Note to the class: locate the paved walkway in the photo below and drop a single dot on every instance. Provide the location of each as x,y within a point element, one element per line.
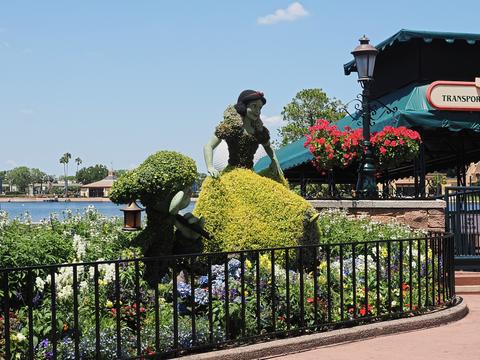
<point>458,340</point>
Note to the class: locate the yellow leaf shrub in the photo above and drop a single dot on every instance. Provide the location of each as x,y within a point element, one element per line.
<point>246,211</point>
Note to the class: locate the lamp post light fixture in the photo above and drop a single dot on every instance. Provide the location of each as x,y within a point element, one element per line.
<point>132,218</point>
<point>365,55</point>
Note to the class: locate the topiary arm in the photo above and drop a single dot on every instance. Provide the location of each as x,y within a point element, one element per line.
<point>274,165</point>
<point>208,155</point>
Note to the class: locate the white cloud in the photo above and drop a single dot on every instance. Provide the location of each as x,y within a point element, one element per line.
<point>272,120</point>
<point>293,12</point>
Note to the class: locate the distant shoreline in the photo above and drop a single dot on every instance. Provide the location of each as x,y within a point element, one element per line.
<point>45,199</point>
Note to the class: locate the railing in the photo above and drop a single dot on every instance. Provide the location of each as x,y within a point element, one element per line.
<point>462,218</point>
<point>311,189</point>
<point>204,301</point>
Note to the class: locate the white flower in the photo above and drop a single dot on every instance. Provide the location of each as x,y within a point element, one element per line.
<point>21,337</point>
<point>39,283</point>
<point>108,272</point>
<point>80,246</point>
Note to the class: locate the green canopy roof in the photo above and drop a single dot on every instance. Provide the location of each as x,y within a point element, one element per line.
<point>289,156</point>
<point>414,111</point>
<point>427,36</point>
<point>411,109</point>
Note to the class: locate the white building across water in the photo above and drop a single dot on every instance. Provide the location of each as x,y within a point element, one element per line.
<point>99,188</point>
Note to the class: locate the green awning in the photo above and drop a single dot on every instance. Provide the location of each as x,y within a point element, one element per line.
<point>427,36</point>
<point>289,156</point>
<point>412,110</point>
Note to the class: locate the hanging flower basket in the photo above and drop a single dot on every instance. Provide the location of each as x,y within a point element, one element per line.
<point>394,146</point>
<point>331,147</point>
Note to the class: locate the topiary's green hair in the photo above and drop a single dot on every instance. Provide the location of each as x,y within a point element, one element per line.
<point>160,176</point>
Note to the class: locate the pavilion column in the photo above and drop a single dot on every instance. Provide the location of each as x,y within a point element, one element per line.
<point>422,177</point>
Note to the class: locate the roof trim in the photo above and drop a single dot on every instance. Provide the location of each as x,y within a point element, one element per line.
<point>405,35</point>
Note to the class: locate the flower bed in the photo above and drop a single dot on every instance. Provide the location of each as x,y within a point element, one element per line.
<point>209,299</point>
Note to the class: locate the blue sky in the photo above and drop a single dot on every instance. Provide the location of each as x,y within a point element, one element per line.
<point>114,81</point>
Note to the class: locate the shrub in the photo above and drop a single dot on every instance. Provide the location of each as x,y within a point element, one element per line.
<point>85,236</point>
<point>157,179</point>
<point>23,245</point>
<point>241,214</point>
<point>336,227</point>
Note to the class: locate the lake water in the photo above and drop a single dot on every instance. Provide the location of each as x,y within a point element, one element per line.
<point>42,210</point>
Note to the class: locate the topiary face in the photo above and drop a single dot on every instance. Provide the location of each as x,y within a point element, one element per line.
<point>157,179</point>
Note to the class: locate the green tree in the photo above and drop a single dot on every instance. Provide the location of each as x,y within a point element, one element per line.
<point>37,177</point>
<point>306,107</point>
<point>92,174</point>
<point>78,161</point>
<point>120,172</point>
<point>64,160</point>
<point>20,177</point>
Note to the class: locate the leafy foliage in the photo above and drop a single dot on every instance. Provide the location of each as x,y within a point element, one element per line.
<point>161,175</point>
<point>20,176</point>
<point>306,107</point>
<point>91,174</point>
<point>242,215</point>
<point>55,241</point>
<point>89,237</point>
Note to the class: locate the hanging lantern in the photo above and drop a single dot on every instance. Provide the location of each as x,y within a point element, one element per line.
<point>132,218</point>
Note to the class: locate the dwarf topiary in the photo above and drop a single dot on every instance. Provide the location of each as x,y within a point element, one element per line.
<point>163,185</point>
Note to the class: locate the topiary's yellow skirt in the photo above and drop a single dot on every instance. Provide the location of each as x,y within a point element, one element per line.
<point>244,210</point>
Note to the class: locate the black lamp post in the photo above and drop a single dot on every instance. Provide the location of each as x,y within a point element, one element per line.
<point>365,55</point>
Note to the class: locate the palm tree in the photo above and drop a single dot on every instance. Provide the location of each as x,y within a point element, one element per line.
<point>64,160</point>
<point>78,161</point>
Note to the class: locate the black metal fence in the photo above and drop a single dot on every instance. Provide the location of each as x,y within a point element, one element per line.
<point>204,301</point>
<point>462,218</point>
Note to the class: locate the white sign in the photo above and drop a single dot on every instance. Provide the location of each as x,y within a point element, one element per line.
<point>454,95</point>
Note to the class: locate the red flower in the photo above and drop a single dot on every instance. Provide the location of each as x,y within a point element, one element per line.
<point>310,300</point>
<point>365,310</point>
<point>383,150</point>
